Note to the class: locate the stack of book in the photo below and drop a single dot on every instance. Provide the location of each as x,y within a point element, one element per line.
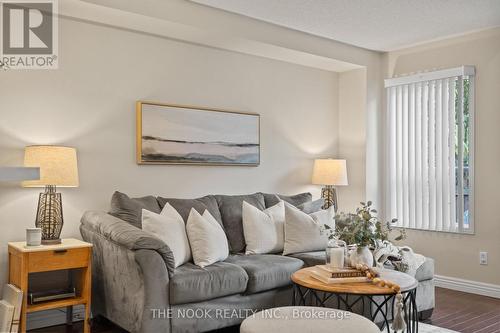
<point>10,309</point>
<point>329,275</point>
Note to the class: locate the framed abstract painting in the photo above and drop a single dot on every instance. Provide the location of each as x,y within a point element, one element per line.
<point>178,134</point>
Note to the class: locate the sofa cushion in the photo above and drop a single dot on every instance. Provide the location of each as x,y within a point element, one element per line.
<point>130,209</point>
<point>231,210</point>
<point>191,283</point>
<point>296,200</point>
<point>426,271</point>
<point>311,258</point>
<point>266,271</point>
<point>183,206</point>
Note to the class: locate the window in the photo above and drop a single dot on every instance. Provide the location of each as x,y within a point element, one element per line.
<point>430,155</point>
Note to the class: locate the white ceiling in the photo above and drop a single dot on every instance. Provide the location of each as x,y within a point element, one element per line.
<point>382,25</point>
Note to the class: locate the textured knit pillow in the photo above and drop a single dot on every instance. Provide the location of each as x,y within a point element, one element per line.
<point>170,228</point>
<point>303,231</point>
<point>263,230</point>
<point>207,239</point>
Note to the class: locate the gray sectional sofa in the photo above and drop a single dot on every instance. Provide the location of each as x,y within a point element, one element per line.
<point>136,286</point>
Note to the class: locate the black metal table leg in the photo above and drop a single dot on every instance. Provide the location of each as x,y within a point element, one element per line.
<point>410,311</point>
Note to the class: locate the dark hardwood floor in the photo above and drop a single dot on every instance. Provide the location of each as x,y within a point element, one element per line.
<point>454,310</point>
<point>466,313</point>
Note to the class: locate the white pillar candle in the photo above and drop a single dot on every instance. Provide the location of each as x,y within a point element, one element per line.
<point>337,257</point>
<point>33,237</point>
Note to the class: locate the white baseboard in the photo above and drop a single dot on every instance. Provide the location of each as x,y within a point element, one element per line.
<point>53,317</point>
<point>467,286</point>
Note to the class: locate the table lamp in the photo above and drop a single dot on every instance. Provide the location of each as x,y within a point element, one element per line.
<point>58,167</point>
<point>330,173</point>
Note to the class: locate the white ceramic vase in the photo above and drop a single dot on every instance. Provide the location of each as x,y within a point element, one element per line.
<point>361,255</point>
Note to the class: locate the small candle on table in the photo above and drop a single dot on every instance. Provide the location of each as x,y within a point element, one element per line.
<point>337,257</point>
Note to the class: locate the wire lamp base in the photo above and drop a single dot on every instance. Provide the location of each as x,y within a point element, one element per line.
<point>330,195</point>
<point>49,216</point>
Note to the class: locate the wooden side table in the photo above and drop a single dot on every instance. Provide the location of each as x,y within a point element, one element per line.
<point>70,254</point>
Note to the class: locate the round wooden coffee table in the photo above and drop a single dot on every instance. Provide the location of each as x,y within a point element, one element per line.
<point>380,300</point>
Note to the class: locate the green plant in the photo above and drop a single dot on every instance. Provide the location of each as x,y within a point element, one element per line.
<point>362,228</point>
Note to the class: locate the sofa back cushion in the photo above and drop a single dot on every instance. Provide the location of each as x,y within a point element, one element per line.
<point>231,210</point>
<point>295,200</point>
<point>130,209</point>
<point>183,206</point>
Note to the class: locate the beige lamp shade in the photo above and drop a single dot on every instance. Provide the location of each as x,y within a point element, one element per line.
<point>329,172</point>
<point>58,165</point>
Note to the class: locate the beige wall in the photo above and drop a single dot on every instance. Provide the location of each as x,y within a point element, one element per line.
<point>352,136</point>
<point>89,104</point>
<point>185,20</point>
<point>458,255</point>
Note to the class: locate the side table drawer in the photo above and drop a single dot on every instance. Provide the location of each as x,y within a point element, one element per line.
<point>52,260</point>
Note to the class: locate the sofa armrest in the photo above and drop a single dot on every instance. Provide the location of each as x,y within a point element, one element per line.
<point>128,236</point>
<point>130,280</point>
<point>156,293</point>
<point>426,271</point>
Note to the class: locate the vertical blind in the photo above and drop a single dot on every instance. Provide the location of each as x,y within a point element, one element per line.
<point>429,155</point>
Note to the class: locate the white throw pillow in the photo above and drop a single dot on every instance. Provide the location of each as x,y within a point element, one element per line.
<point>207,239</point>
<point>263,230</point>
<point>303,231</point>
<point>170,228</point>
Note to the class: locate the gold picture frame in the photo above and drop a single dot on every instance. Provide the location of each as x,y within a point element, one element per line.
<point>191,135</point>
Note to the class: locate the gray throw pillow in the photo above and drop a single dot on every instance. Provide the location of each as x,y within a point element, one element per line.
<point>295,200</point>
<point>183,206</point>
<point>231,210</point>
<point>130,209</point>
<point>312,207</point>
